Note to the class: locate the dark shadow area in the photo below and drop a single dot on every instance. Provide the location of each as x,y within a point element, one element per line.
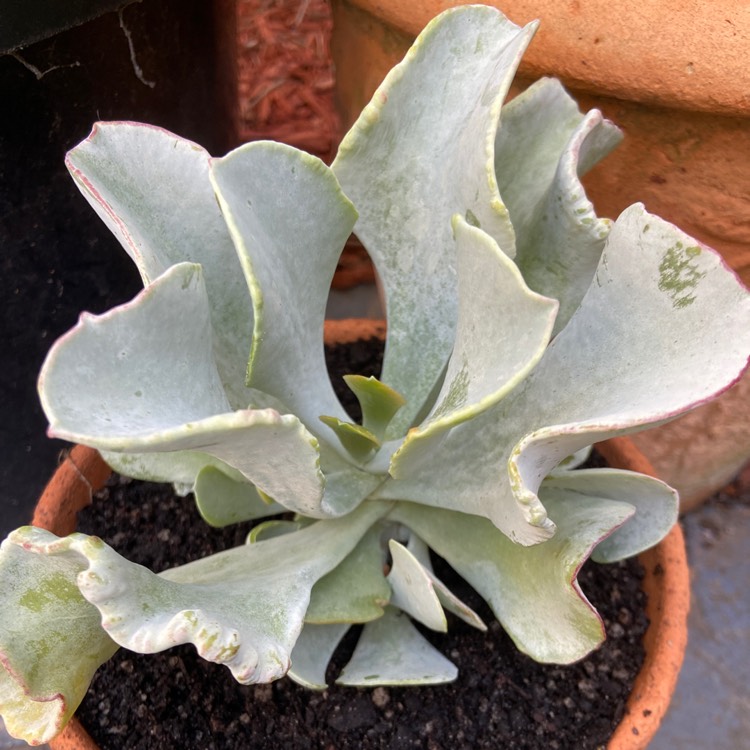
<point>153,62</point>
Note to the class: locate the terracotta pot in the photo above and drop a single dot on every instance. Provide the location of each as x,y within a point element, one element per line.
<point>677,89</point>
<point>667,585</point>
<point>354,267</point>
<point>71,489</point>
<point>666,580</point>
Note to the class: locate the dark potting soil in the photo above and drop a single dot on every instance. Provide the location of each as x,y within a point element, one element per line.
<point>501,699</point>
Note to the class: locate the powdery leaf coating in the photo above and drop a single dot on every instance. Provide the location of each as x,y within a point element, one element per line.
<point>163,210</point>
<point>629,357</point>
<point>312,652</point>
<point>289,237</point>
<point>356,590</point>
<point>251,599</point>
<point>532,590</point>
<point>657,507</point>
<point>391,651</point>
<point>542,148</point>
<point>222,501</point>
<point>407,182</point>
<point>51,640</point>
<point>413,591</point>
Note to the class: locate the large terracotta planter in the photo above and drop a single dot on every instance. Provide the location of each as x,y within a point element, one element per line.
<point>666,580</point>
<point>672,75</point>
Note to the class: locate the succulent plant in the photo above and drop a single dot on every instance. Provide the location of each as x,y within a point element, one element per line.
<point>522,328</point>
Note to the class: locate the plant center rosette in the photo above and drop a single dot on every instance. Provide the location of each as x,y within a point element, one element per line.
<point>522,328</point>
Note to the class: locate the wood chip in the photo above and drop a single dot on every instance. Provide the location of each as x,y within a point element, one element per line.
<point>286,74</point>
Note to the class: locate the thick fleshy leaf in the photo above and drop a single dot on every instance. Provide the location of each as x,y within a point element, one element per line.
<point>312,652</point>
<point>664,327</point>
<point>359,442</point>
<point>379,402</point>
<point>356,589</point>
<point>141,367</point>
<point>534,129</point>
<point>543,146</point>
<point>391,651</point>
<point>413,591</point>
<point>447,598</point>
<point>456,606</point>
<point>51,639</point>
<point>532,590</point>
<point>346,486</point>
<point>243,607</point>
<point>272,451</point>
<point>289,237</point>
<point>495,305</point>
<point>151,356</point>
<point>467,470</point>
<point>656,503</point>
<point>408,181</point>
<point>140,379</point>
<point>152,189</point>
<point>181,468</point>
<point>223,501</point>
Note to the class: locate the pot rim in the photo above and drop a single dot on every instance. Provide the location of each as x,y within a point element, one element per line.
<point>666,579</point>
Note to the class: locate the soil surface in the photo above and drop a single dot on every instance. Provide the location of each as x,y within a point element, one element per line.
<point>501,699</point>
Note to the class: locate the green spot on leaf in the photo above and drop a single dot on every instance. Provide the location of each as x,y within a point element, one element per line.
<point>678,275</point>
<point>54,588</point>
